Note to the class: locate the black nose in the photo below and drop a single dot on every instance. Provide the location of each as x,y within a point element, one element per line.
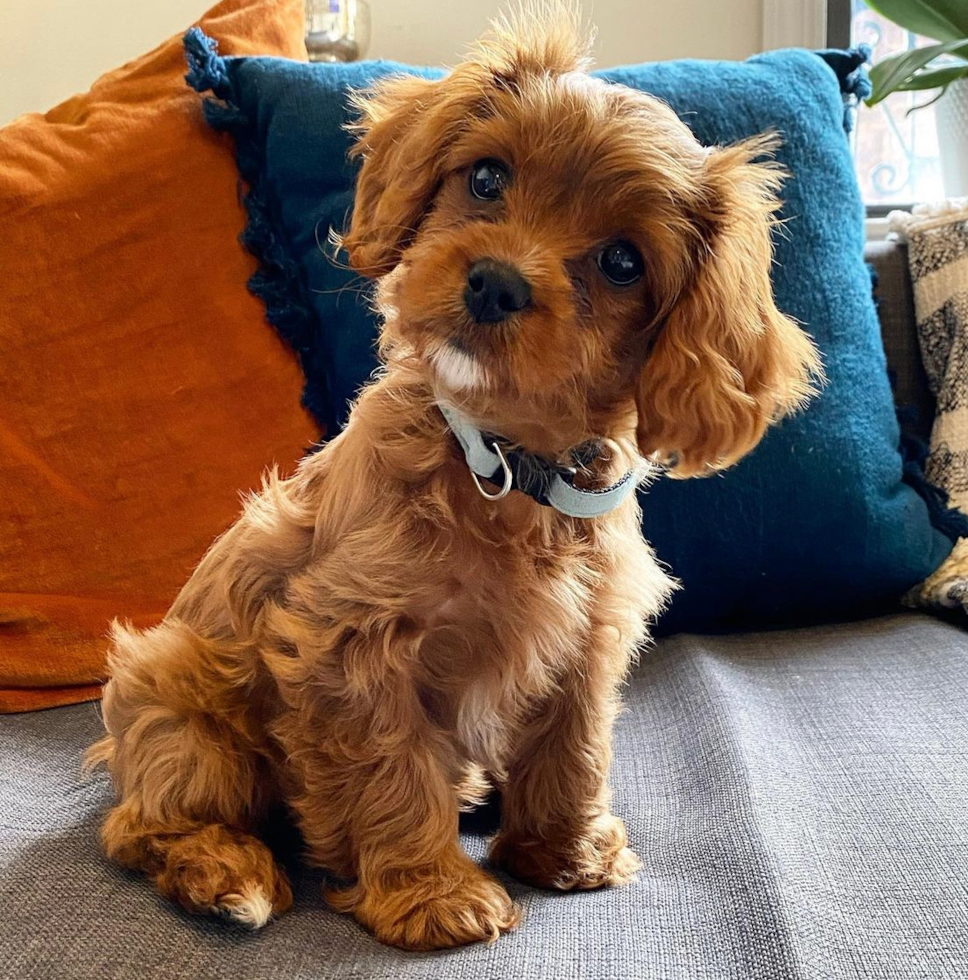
<point>495,290</point>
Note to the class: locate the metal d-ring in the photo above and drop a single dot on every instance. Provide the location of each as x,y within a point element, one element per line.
<point>508,478</point>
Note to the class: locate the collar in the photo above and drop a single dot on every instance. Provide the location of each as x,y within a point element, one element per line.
<point>490,457</point>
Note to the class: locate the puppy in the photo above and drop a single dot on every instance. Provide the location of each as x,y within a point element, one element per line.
<point>449,594</point>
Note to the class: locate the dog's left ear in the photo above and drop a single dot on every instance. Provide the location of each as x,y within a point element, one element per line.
<point>726,362</point>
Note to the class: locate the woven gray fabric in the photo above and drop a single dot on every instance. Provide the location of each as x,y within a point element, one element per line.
<point>798,799</point>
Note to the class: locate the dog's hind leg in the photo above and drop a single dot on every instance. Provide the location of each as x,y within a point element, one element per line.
<point>206,867</point>
<point>193,787</point>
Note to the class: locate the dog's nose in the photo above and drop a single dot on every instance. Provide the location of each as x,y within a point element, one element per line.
<point>495,290</point>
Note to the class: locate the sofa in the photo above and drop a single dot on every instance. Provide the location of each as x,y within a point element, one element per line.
<point>797,796</point>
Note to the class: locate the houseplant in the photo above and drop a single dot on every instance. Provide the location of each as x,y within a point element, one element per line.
<point>942,65</point>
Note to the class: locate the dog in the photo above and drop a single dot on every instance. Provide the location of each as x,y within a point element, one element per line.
<point>448,595</point>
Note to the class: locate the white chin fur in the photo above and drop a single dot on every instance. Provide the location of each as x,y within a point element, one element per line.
<point>459,371</point>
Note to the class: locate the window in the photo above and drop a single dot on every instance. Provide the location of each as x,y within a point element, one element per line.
<point>895,150</point>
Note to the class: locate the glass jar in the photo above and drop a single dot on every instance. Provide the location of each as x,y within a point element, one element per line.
<point>337,30</point>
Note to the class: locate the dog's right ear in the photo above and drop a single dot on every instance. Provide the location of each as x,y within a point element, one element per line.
<point>401,129</point>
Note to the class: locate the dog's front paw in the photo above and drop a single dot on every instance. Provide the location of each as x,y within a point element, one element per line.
<point>433,911</point>
<point>596,856</point>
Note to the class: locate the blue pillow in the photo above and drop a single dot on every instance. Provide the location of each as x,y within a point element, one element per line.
<point>817,522</point>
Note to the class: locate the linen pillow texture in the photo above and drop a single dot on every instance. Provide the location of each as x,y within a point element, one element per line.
<point>140,389</point>
<point>817,523</point>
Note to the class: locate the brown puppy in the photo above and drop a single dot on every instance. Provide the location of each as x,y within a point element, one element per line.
<point>374,641</point>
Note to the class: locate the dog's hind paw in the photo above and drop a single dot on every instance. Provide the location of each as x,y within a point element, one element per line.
<point>220,871</point>
<point>250,909</point>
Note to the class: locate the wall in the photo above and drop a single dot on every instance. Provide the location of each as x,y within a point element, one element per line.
<point>50,49</point>
<point>435,31</point>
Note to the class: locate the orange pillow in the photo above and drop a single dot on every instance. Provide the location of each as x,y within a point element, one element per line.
<point>140,387</point>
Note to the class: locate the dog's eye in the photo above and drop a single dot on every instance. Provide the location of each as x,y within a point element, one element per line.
<point>489,179</point>
<point>620,263</point>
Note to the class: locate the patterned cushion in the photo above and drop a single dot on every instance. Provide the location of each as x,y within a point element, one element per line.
<point>937,237</point>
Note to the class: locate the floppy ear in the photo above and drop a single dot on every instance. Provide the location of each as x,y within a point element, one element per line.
<point>401,129</point>
<point>726,362</point>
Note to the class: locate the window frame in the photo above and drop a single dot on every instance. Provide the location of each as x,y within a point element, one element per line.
<point>819,24</point>
<point>839,18</point>
<point>838,23</point>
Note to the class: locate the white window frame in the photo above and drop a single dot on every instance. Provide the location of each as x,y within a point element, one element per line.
<point>804,24</point>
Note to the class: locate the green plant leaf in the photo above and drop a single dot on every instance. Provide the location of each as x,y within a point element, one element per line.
<point>924,105</point>
<point>943,20</point>
<point>938,78</point>
<point>889,75</point>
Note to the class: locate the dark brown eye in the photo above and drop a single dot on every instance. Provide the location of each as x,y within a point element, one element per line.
<point>489,179</point>
<point>621,263</point>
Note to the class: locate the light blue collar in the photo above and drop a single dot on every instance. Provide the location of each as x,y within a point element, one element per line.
<point>530,474</point>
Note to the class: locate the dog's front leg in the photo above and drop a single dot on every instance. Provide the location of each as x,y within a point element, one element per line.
<point>415,887</point>
<point>557,830</point>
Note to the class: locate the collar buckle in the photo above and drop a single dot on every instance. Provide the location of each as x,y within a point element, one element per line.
<point>557,490</point>
<point>508,477</point>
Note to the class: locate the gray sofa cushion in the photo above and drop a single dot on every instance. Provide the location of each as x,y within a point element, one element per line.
<point>798,799</point>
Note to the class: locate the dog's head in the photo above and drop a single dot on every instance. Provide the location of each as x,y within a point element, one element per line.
<point>565,249</point>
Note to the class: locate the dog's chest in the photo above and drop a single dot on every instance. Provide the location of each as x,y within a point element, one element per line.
<point>503,629</point>
<point>511,596</point>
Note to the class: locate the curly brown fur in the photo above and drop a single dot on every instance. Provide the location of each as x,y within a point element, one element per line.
<point>372,635</point>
